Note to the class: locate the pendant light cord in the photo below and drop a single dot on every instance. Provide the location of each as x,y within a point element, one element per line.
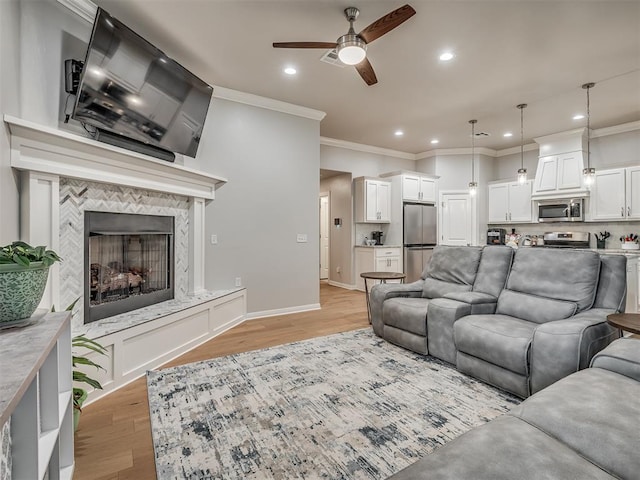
<point>473,137</point>
<point>521,107</point>
<point>587,87</point>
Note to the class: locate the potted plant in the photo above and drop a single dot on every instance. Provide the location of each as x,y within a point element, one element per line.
<point>80,394</point>
<point>23,276</point>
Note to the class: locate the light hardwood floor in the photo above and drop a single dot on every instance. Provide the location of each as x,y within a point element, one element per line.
<point>113,441</point>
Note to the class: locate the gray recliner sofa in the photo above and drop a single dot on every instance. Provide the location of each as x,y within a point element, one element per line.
<point>583,427</point>
<point>399,311</point>
<point>520,325</point>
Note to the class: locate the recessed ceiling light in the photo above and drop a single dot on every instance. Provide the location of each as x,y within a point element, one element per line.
<point>578,117</point>
<point>290,71</point>
<point>398,133</point>
<point>446,56</point>
<point>507,134</point>
<point>435,140</point>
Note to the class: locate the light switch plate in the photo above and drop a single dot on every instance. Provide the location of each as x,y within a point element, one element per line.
<point>214,239</point>
<point>301,238</point>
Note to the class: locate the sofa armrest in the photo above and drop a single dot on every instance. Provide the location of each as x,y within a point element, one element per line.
<point>562,347</point>
<point>382,291</point>
<point>622,356</point>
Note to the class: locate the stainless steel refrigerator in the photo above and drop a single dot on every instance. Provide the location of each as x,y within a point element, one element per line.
<point>419,237</point>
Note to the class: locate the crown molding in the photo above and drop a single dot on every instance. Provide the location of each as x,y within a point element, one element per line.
<point>268,103</point>
<point>443,152</point>
<point>510,151</point>
<point>360,147</point>
<point>622,128</point>
<point>85,9</point>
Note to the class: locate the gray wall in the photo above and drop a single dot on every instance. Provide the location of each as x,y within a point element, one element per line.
<point>340,238</point>
<point>506,168</point>
<point>9,104</point>
<point>361,164</point>
<point>271,160</point>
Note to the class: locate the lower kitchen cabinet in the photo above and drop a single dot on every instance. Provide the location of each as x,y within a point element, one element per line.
<point>376,259</point>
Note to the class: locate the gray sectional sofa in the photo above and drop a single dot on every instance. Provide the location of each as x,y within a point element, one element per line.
<point>585,426</point>
<point>518,320</point>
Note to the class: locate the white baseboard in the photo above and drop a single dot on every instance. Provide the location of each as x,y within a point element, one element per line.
<point>341,285</point>
<point>282,311</point>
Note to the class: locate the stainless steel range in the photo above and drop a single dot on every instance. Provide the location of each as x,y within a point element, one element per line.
<point>567,239</point>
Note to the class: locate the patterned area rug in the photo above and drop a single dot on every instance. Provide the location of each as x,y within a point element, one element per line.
<point>345,406</point>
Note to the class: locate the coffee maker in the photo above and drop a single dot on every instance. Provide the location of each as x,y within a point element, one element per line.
<point>377,236</point>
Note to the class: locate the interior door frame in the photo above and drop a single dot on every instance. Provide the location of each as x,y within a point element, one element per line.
<point>328,197</point>
<point>474,212</point>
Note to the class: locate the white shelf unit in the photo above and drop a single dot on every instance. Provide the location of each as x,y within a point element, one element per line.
<point>42,421</point>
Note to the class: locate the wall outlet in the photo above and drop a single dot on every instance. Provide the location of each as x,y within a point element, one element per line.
<point>214,239</point>
<point>301,238</point>
<point>238,281</point>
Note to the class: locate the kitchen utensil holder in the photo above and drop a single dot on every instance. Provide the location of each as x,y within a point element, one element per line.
<point>600,243</point>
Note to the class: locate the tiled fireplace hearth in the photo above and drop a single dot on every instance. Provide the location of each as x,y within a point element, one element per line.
<point>63,176</point>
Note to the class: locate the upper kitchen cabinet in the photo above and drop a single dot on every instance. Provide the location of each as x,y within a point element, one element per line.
<point>615,195</point>
<point>560,165</point>
<point>416,188</point>
<point>510,202</point>
<point>373,200</point>
<point>559,172</point>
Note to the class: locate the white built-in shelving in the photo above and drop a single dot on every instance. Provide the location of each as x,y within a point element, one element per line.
<point>36,395</point>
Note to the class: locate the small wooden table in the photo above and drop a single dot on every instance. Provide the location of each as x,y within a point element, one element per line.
<point>383,277</point>
<point>629,322</point>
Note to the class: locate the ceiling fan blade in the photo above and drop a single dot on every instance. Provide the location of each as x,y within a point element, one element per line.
<point>365,70</point>
<point>387,23</point>
<point>326,45</point>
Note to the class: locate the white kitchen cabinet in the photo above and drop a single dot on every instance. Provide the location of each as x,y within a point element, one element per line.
<point>559,172</point>
<point>416,188</point>
<point>632,285</point>
<point>510,202</point>
<point>376,259</point>
<point>615,195</point>
<point>373,200</point>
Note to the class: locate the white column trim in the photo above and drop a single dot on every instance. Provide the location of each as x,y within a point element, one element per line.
<point>196,246</point>
<point>40,223</point>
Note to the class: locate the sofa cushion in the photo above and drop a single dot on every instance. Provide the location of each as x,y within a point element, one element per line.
<point>613,282</point>
<point>433,288</point>
<point>494,267</point>
<point>621,356</point>
<point>560,274</point>
<point>533,308</point>
<point>408,314</point>
<point>454,264</point>
<point>596,413</point>
<point>504,449</point>
<point>498,339</point>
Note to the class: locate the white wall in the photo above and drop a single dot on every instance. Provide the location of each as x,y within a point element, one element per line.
<point>9,104</point>
<point>271,160</point>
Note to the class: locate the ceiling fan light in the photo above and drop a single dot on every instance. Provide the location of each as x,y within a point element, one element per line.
<point>351,49</point>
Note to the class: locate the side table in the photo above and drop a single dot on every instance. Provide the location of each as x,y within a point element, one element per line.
<point>629,322</point>
<point>383,277</point>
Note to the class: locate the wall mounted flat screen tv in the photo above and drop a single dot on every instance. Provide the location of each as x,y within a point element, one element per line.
<point>131,89</point>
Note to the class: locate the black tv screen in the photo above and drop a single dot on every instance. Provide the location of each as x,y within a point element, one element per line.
<point>130,88</point>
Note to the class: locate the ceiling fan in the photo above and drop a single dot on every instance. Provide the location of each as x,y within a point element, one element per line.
<point>352,47</point>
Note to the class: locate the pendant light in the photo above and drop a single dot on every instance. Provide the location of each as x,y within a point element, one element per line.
<point>522,172</point>
<point>473,185</point>
<point>588,173</point>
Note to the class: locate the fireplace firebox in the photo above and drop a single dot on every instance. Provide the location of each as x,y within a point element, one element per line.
<point>128,262</point>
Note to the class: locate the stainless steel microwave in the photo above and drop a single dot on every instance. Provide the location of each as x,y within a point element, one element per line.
<point>569,210</point>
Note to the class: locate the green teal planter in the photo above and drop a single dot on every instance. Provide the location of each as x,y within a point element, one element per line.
<point>21,290</point>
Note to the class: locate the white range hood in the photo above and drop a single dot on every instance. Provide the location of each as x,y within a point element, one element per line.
<point>562,159</point>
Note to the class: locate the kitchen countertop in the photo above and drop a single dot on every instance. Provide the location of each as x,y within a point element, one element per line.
<point>379,246</point>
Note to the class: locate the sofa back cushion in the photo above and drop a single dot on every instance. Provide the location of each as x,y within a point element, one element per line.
<point>451,269</point>
<point>534,309</point>
<point>612,286</point>
<point>542,276</point>
<point>493,270</point>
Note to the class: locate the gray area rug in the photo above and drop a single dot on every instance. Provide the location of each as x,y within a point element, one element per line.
<point>345,406</point>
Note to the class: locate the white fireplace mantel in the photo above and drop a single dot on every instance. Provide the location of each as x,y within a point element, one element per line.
<point>44,155</point>
<point>48,150</point>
